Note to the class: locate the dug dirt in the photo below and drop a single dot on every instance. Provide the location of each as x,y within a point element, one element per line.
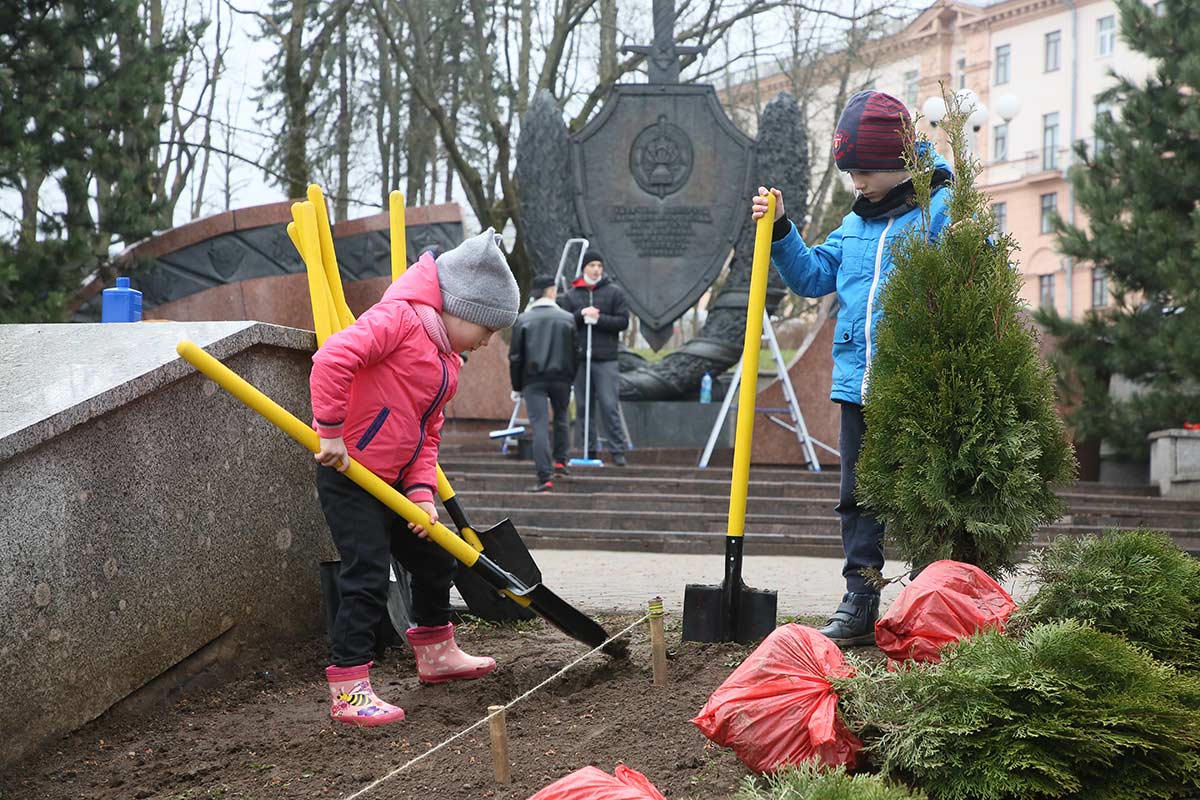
<point>264,731</point>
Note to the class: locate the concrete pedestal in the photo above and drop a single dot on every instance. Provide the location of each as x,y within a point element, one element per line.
<point>676,424</point>
<point>1175,462</point>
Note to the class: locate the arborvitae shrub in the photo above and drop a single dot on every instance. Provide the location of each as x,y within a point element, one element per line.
<point>1136,584</point>
<point>1063,712</point>
<point>962,439</point>
<point>810,781</point>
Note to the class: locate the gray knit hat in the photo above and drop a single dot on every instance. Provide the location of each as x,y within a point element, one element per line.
<point>477,284</point>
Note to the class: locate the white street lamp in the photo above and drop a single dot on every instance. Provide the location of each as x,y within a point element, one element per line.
<point>1007,106</point>
<point>934,110</point>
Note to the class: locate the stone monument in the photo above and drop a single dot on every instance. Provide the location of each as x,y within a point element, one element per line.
<point>660,181</point>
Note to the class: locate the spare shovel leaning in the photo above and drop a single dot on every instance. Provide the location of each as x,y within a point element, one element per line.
<point>536,597</point>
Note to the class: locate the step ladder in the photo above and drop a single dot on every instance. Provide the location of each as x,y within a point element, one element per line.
<point>796,426</point>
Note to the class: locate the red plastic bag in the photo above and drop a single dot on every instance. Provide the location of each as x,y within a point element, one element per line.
<point>590,783</point>
<point>948,601</point>
<point>778,707</point>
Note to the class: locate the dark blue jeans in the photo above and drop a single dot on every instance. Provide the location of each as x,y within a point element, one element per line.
<point>862,534</point>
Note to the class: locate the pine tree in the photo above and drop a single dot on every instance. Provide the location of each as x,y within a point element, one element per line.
<point>78,81</point>
<point>1138,187</point>
<point>1063,712</point>
<point>1136,584</point>
<point>962,437</point>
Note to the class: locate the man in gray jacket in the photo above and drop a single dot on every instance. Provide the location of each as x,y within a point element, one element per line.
<point>541,364</point>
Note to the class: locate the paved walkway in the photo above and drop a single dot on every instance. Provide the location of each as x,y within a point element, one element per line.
<point>595,580</point>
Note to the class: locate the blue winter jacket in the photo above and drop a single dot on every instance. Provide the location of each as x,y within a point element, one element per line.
<point>854,260</point>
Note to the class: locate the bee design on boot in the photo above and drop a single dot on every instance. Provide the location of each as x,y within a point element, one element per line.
<point>354,698</point>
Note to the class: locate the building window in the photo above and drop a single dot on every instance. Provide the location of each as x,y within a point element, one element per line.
<point>1003,57</point>
<point>1000,215</point>
<point>1000,141</point>
<point>1050,141</point>
<point>910,88</point>
<point>1099,287</point>
<point>1160,8</point>
<point>960,67</point>
<point>1103,115</point>
<point>1046,291</point>
<point>1049,207</point>
<point>1053,51</point>
<point>1106,35</point>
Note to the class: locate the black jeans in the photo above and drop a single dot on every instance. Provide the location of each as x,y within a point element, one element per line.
<point>862,534</point>
<point>367,535</point>
<point>540,399</point>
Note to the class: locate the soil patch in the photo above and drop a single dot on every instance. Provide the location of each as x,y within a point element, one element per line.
<point>265,732</point>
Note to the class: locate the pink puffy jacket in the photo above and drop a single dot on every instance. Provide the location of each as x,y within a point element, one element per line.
<point>382,385</point>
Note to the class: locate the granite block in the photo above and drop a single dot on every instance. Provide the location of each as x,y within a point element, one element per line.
<point>259,216</point>
<point>484,387</point>
<point>151,512</point>
<point>1175,462</point>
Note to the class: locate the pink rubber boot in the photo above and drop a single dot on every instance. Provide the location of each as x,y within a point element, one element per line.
<point>439,659</point>
<point>354,702</point>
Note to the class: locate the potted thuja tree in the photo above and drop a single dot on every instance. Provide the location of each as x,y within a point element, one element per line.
<point>962,438</point>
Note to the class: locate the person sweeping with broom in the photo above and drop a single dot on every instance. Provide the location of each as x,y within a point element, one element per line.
<point>595,301</point>
<point>378,391</point>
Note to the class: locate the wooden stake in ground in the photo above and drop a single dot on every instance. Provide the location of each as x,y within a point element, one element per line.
<point>658,642</point>
<point>499,745</point>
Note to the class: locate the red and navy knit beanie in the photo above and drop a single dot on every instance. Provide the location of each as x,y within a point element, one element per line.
<point>871,133</point>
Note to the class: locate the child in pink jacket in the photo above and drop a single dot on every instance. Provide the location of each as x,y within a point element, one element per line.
<point>378,391</point>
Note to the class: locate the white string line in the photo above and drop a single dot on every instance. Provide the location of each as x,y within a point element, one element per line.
<point>488,718</point>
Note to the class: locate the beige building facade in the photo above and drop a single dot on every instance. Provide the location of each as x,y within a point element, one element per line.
<point>1048,59</point>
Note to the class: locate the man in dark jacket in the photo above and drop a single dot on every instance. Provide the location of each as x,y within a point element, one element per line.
<point>596,298</point>
<point>541,364</point>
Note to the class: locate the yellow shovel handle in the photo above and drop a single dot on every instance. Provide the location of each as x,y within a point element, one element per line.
<point>233,383</point>
<point>747,392</point>
<point>398,240</point>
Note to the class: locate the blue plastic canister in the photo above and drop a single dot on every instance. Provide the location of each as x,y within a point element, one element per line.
<point>121,304</point>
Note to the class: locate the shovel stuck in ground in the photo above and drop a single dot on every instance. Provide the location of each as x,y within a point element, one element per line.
<point>536,597</point>
<point>732,611</point>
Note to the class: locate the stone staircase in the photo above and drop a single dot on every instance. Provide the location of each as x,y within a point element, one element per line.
<point>653,505</point>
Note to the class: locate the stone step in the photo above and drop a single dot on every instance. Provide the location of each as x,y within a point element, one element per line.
<point>1149,513</point>
<point>699,521</point>
<point>495,464</point>
<point>791,543</point>
<point>612,485</point>
<point>507,466</point>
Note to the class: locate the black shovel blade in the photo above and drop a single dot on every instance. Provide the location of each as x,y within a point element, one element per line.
<point>549,606</point>
<point>572,621</point>
<point>501,544</point>
<point>703,614</point>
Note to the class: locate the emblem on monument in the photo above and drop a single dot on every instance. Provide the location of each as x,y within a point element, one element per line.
<point>665,225</point>
<point>661,158</point>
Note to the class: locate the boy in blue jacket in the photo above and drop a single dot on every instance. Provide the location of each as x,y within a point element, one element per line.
<point>869,143</point>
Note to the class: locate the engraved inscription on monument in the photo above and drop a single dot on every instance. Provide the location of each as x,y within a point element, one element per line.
<point>660,231</point>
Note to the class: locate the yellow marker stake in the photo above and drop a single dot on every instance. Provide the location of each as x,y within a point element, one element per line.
<point>233,383</point>
<point>324,321</point>
<point>329,257</point>
<point>399,243</point>
<point>749,388</point>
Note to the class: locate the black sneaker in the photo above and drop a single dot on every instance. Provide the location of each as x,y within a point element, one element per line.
<point>619,459</point>
<point>546,486</point>
<point>853,624</point>
<point>560,468</point>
